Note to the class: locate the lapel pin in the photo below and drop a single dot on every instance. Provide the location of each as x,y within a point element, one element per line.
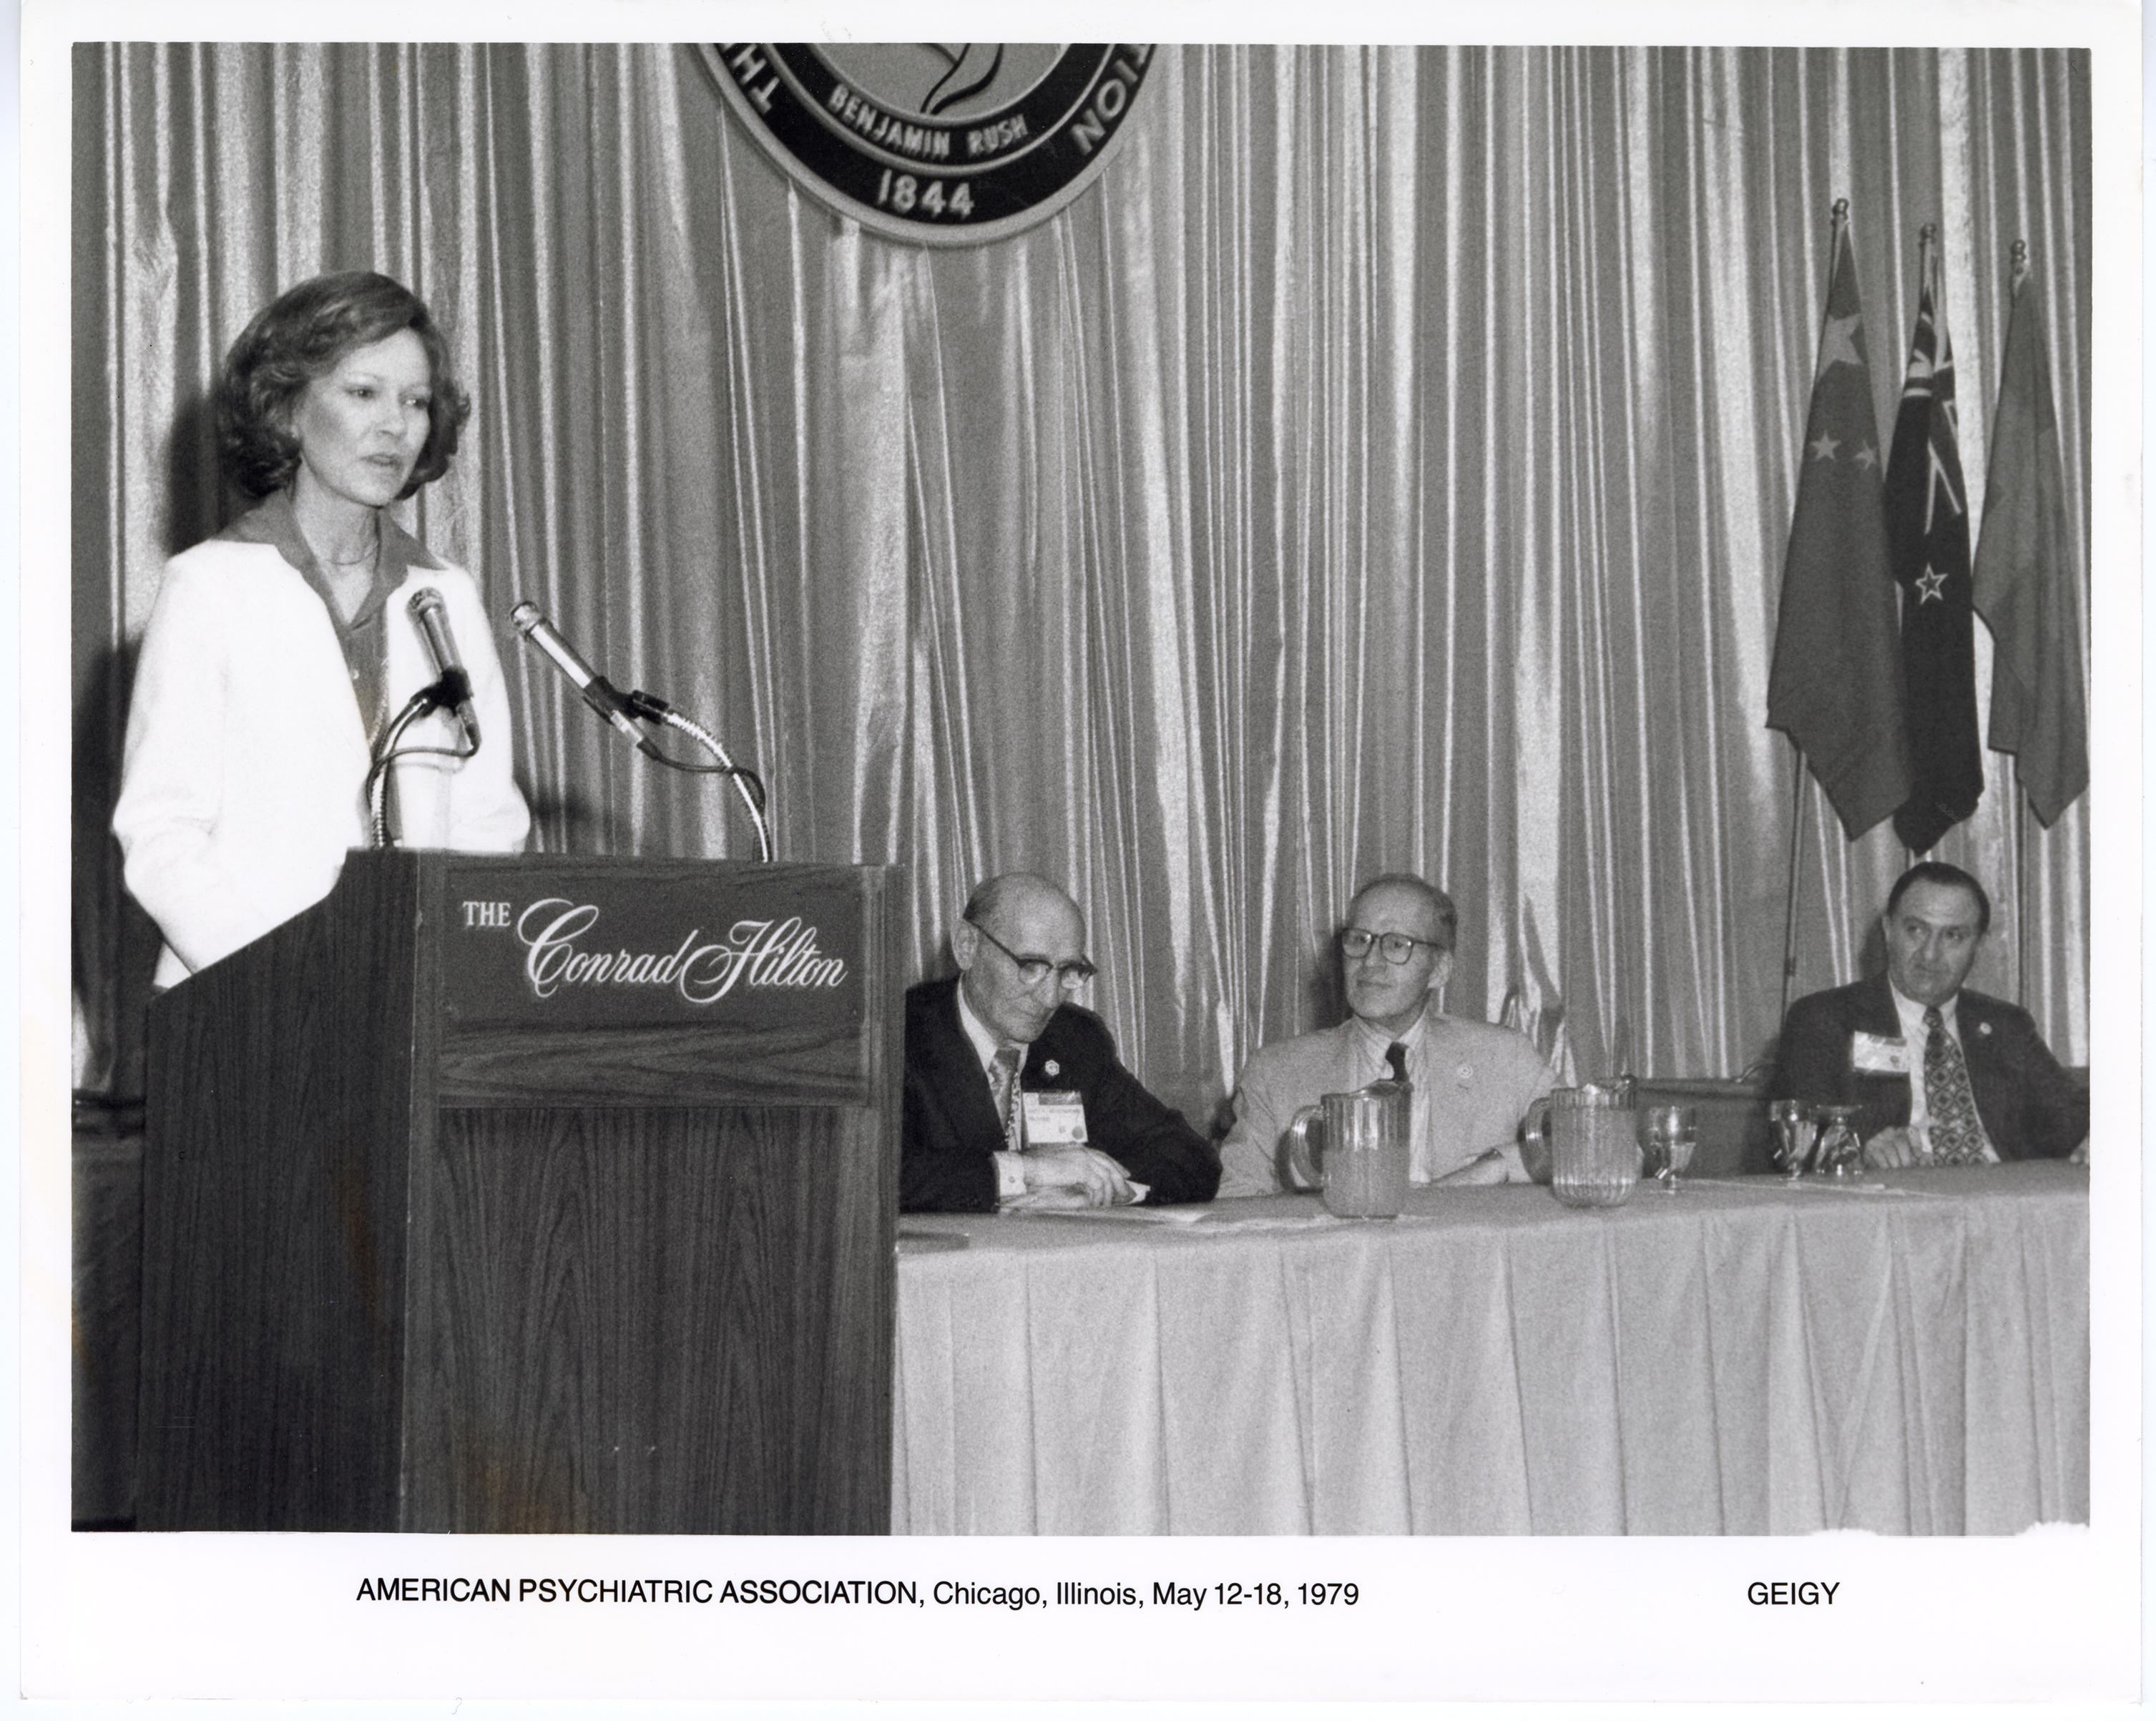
<point>1984,1027</point>
<point>1051,1068</point>
<point>1466,1074</point>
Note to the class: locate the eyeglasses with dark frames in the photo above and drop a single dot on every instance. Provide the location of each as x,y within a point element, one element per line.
<point>1033,969</point>
<point>1396,947</point>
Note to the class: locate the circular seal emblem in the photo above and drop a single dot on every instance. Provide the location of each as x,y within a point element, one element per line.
<point>937,142</point>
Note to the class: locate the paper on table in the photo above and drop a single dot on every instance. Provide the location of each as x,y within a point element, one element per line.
<point>1142,1215</point>
<point>1218,1219</point>
<point>1813,1184</point>
<point>931,1242</point>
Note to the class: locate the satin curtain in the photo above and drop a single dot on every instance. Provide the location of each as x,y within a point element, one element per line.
<point>1387,464</point>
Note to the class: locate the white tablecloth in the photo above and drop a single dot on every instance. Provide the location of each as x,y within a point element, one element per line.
<point>1740,1357</point>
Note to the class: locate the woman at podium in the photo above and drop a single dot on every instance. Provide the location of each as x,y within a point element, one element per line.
<point>279,651</point>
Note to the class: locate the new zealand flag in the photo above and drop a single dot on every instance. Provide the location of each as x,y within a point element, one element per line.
<point>1928,542</point>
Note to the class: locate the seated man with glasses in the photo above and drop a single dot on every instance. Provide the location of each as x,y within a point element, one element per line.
<point>1473,1082</point>
<point>994,1058</point>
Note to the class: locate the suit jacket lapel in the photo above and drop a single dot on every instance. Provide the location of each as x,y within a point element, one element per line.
<point>956,1074</point>
<point>1875,1015</point>
<point>1053,1046</point>
<point>1988,1083</point>
<point>1876,1011</point>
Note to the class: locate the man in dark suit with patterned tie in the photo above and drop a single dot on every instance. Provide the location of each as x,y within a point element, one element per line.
<point>1940,1075</point>
<point>992,1059</point>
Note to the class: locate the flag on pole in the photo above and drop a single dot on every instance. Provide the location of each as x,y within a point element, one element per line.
<point>2028,588</point>
<point>1835,685</point>
<point>1927,534</point>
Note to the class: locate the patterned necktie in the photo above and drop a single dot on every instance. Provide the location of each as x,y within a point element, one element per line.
<point>1396,1055</point>
<point>1002,1084</point>
<point>1957,1136</point>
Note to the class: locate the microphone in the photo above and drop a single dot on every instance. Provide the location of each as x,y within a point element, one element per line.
<point>452,684</point>
<point>599,693</point>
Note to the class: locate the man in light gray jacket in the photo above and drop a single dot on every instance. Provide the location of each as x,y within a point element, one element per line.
<point>1473,1082</point>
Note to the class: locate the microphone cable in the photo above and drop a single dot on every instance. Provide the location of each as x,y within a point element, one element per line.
<point>652,709</point>
<point>436,695</point>
<point>625,710</point>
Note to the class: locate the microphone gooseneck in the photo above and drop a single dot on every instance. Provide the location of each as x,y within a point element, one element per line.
<point>625,711</point>
<point>452,684</point>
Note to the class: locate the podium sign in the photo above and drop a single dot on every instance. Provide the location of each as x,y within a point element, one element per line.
<point>570,942</point>
<point>530,1193</point>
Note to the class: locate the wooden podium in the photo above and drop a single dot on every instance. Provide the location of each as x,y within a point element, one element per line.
<point>530,1193</point>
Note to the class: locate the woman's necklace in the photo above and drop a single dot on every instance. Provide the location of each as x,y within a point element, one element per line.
<point>348,580</point>
<point>365,558</point>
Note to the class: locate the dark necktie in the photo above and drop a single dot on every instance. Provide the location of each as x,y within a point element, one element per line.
<point>1396,1055</point>
<point>1002,1084</point>
<point>1957,1135</point>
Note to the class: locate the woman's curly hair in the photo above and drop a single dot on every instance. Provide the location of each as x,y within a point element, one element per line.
<point>304,334</point>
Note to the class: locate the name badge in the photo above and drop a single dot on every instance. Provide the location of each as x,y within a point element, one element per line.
<point>1054,1118</point>
<point>1878,1056</point>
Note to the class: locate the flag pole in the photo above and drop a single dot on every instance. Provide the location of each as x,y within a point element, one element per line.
<point>1839,221</point>
<point>1923,281</point>
<point>1796,859</point>
<point>2017,268</point>
<point>2021,897</point>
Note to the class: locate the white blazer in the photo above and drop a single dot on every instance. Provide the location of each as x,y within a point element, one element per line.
<point>244,780</point>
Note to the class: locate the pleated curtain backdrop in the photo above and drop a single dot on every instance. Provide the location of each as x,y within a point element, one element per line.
<point>1387,464</point>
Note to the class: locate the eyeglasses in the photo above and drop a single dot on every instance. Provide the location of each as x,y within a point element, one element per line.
<point>1033,969</point>
<point>1355,943</point>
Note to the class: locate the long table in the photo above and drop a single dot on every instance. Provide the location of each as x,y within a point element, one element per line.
<point>1743,1357</point>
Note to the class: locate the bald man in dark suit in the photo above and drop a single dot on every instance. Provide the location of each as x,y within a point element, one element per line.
<point>979,1047</point>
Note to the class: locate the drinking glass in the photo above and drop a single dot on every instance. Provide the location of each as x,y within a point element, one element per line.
<point>1795,1131</point>
<point>1670,1137</point>
<point>1840,1150</point>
